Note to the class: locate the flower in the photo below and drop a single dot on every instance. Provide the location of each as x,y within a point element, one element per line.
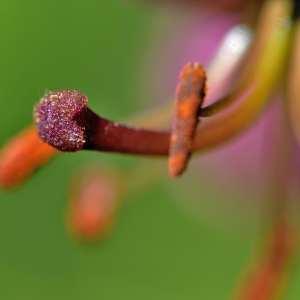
<point>230,116</point>
<point>238,93</point>
<point>256,166</point>
<point>240,167</point>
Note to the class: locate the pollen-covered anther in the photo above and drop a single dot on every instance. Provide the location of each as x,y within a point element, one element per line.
<point>190,94</point>
<point>57,119</point>
<point>94,204</point>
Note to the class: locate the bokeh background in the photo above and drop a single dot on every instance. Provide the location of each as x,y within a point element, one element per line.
<point>157,250</point>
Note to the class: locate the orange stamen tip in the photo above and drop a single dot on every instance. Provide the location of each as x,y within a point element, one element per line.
<point>192,69</point>
<point>93,206</point>
<point>177,164</point>
<point>21,156</point>
<point>190,94</point>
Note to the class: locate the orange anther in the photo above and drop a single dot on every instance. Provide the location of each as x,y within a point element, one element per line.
<point>21,156</point>
<point>190,94</point>
<point>93,205</point>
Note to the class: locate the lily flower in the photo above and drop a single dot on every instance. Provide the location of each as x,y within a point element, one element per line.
<point>224,102</point>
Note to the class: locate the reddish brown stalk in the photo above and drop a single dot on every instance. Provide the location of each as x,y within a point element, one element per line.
<point>265,280</point>
<point>190,94</point>
<point>65,122</point>
<point>105,135</point>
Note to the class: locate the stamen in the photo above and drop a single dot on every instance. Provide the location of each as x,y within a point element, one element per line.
<point>93,205</point>
<point>264,281</point>
<point>190,94</point>
<point>22,156</point>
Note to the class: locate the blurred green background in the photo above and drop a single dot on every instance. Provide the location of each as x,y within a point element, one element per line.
<point>157,251</point>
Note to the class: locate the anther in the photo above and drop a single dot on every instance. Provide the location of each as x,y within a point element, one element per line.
<point>190,94</point>
<point>21,156</point>
<point>93,205</point>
